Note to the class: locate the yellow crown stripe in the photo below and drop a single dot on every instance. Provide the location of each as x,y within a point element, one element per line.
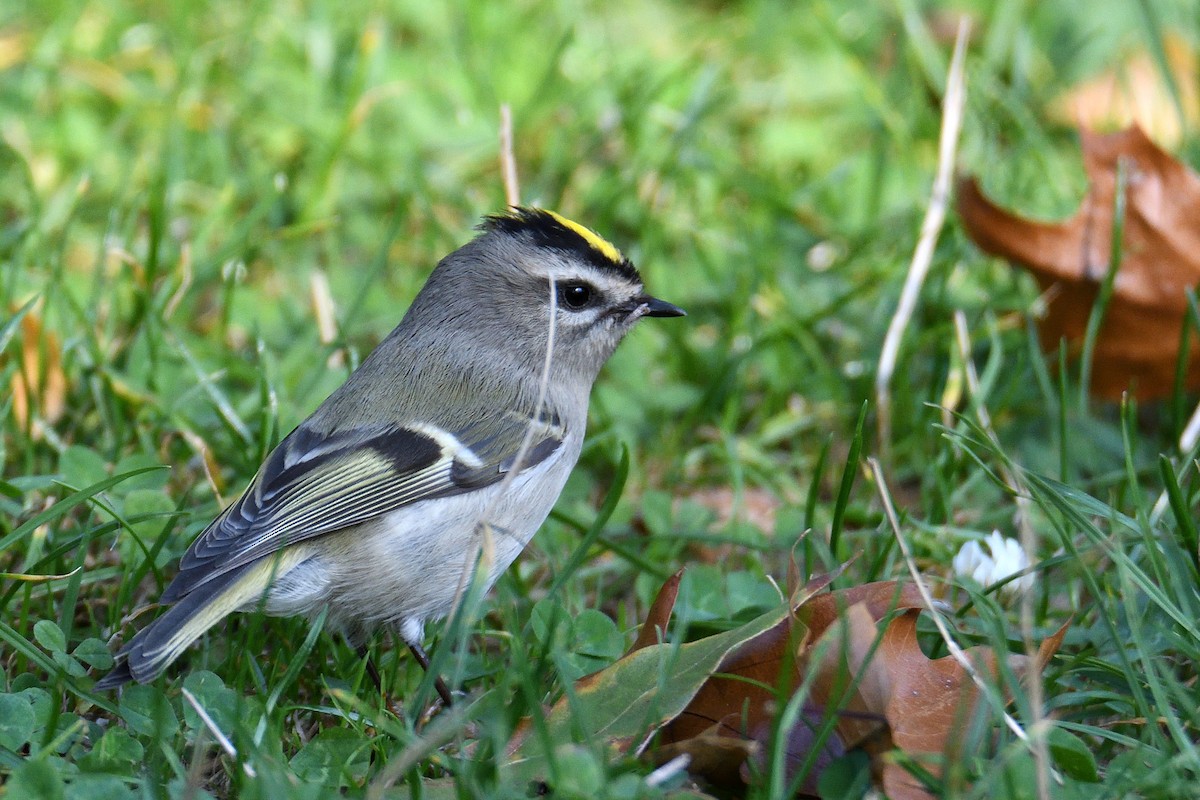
<point>602,246</point>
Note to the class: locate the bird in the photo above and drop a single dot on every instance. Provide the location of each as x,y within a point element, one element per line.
<point>461,426</point>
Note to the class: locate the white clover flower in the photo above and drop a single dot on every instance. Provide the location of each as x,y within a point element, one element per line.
<point>1007,558</point>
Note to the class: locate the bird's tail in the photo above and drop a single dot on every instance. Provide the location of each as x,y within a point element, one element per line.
<point>161,642</point>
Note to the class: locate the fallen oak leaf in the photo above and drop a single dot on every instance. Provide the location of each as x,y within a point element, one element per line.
<point>880,598</point>
<point>1138,343</point>
<point>927,704</point>
<point>880,690</point>
<point>719,752</point>
<point>842,682</point>
<point>625,703</point>
<point>715,699</point>
<point>747,680</point>
<point>742,696</point>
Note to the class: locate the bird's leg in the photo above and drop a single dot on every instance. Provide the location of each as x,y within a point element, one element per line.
<point>439,684</point>
<point>372,670</point>
<point>377,679</point>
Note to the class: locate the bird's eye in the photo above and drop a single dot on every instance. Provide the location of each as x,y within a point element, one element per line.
<point>575,295</point>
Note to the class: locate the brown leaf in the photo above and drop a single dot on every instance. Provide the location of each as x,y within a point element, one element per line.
<point>754,505</point>
<point>1135,93</point>
<point>746,679</point>
<point>654,629</point>
<point>878,687</point>
<point>39,386</point>
<point>718,752</point>
<point>742,695</point>
<point>744,685</point>
<point>926,704</point>
<point>929,700</point>
<point>1138,343</point>
<point>880,599</point>
<point>843,650</point>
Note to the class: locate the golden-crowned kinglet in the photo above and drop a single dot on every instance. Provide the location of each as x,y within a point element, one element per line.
<point>463,423</point>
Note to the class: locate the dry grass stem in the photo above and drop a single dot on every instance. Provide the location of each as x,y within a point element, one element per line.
<point>935,215</point>
<point>211,725</point>
<point>508,163</point>
<point>1028,543</point>
<point>985,688</point>
<point>325,313</point>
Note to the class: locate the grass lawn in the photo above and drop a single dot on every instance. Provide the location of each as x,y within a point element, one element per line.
<point>186,189</point>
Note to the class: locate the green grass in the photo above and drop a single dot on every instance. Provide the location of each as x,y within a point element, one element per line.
<point>171,175</point>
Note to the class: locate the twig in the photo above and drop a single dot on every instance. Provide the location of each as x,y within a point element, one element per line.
<point>963,338</point>
<point>211,725</point>
<point>1029,544</point>
<point>669,770</point>
<point>487,547</point>
<point>441,732</point>
<point>930,606</point>
<point>935,215</point>
<point>326,314</point>
<point>508,164</point>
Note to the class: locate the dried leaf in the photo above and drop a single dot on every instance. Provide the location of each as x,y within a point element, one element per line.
<point>926,704</point>
<point>718,752</point>
<point>929,699</point>
<point>715,700</point>
<point>754,505</point>
<point>843,650</point>
<point>39,387</point>
<point>741,696</point>
<point>625,703</point>
<point>1134,92</point>
<point>1138,343</point>
<point>880,598</point>
<point>654,629</point>
<point>745,682</point>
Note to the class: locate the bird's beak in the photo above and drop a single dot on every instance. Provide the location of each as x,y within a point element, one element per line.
<point>660,308</point>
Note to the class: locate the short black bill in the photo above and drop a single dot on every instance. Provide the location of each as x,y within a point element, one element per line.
<point>661,308</point>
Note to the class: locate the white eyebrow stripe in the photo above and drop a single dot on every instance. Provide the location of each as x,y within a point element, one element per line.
<point>573,271</point>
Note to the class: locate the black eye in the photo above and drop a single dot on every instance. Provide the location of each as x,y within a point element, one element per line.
<point>575,295</point>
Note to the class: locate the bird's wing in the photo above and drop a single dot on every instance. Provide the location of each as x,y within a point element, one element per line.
<point>313,484</point>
